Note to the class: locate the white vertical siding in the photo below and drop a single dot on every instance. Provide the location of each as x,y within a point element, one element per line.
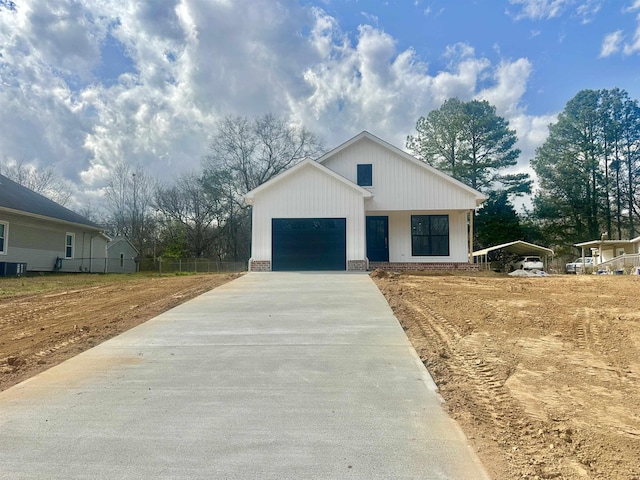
<point>400,236</point>
<point>308,193</point>
<point>398,183</point>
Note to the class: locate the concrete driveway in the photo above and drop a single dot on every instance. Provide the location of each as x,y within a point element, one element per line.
<point>272,376</point>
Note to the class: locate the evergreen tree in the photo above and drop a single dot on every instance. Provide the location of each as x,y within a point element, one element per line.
<point>470,142</point>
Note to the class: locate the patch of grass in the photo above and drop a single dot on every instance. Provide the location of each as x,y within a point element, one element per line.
<point>54,282</point>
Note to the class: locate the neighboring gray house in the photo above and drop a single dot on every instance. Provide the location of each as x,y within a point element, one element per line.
<point>365,204</point>
<point>45,235</point>
<point>121,256</point>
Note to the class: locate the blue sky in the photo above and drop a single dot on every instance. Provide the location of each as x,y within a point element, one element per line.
<point>87,83</point>
<point>563,45</point>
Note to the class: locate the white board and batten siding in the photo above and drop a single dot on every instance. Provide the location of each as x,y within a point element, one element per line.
<point>400,237</point>
<point>400,183</point>
<point>308,193</point>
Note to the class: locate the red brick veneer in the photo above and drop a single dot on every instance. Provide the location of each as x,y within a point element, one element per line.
<point>444,266</point>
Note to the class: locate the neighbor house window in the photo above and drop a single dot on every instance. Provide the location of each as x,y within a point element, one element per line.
<point>365,175</point>
<point>429,235</point>
<point>122,259</point>
<point>3,238</point>
<point>68,250</point>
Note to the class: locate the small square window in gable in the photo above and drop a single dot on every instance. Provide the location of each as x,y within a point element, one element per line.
<point>365,175</point>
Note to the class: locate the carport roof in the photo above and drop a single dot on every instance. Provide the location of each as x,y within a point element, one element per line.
<point>518,247</point>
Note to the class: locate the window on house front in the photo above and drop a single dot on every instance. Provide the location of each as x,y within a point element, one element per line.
<point>429,235</point>
<point>365,175</point>
<point>122,259</point>
<point>68,251</point>
<point>3,238</point>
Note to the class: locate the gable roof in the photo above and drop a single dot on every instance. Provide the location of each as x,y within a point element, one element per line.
<point>306,163</point>
<point>364,135</point>
<point>19,199</point>
<point>116,240</point>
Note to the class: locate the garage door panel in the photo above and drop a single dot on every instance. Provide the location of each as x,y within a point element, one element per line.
<point>308,244</point>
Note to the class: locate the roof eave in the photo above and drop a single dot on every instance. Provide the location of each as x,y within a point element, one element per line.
<point>51,219</point>
<point>249,197</point>
<point>479,197</point>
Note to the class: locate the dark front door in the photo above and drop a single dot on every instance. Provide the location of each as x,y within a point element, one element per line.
<point>308,244</point>
<point>378,239</point>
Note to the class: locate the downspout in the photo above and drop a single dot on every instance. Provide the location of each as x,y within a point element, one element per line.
<point>83,242</point>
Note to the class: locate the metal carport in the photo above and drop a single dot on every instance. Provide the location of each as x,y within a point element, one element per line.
<point>518,247</point>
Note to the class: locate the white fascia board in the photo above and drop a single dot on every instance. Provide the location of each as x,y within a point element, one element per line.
<point>306,163</point>
<point>480,197</point>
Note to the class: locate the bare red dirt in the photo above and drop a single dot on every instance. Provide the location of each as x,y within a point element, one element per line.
<point>69,314</point>
<point>543,374</point>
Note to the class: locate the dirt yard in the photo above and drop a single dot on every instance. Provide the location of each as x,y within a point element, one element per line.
<point>46,320</point>
<point>543,374</point>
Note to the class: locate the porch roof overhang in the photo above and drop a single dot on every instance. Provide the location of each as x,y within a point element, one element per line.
<point>604,243</point>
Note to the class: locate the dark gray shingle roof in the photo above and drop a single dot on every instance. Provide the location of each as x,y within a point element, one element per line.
<point>15,196</point>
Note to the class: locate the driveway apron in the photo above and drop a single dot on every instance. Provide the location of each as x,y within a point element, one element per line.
<point>271,376</point>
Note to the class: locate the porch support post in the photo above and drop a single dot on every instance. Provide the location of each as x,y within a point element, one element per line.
<point>471,212</point>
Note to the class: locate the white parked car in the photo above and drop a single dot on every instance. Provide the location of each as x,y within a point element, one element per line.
<point>577,265</point>
<point>528,263</point>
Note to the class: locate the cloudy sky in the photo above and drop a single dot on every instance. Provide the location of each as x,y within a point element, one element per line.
<point>84,83</point>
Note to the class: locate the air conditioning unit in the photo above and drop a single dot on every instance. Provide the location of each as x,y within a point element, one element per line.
<point>13,269</point>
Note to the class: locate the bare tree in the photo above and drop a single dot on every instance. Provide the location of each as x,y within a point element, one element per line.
<point>243,154</point>
<point>192,209</point>
<point>129,196</point>
<point>254,150</point>
<point>45,181</point>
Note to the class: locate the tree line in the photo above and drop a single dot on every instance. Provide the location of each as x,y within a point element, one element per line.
<point>201,213</point>
<point>588,171</point>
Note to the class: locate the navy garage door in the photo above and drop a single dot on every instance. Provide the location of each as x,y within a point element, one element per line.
<point>308,244</point>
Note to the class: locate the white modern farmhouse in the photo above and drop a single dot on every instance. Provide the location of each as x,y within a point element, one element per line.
<point>366,204</point>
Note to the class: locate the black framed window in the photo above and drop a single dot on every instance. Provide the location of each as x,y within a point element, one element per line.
<point>429,235</point>
<point>365,175</point>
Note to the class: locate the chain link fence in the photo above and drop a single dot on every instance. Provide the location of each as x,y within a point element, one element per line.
<point>190,265</point>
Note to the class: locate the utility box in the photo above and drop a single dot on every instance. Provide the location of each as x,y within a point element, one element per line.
<point>13,269</point>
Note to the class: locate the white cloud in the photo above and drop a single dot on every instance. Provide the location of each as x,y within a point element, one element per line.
<point>532,133</point>
<point>548,9</point>
<point>611,43</point>
<point>540,9</point>
<point>634,6</point>
<point>372,85</point>
<point>634,47</point>
<point>188,62</point>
